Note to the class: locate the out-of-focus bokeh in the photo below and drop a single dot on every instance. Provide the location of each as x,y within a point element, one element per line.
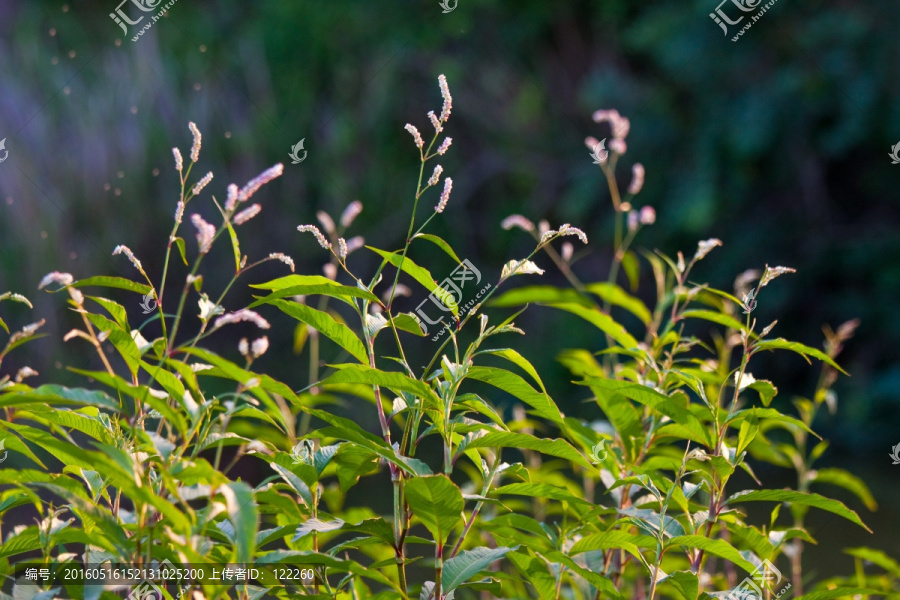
<point>777,144</point>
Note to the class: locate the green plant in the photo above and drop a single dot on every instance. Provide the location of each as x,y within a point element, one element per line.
<point>481,504</point>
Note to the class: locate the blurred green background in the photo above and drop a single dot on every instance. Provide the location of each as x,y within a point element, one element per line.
<point>777,144</point>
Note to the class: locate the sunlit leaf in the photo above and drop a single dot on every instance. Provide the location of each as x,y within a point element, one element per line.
<point>814,500</point>
<point>437,502</point>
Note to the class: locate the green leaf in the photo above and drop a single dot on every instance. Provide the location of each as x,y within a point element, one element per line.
<point>804,351</point>
<point>719,318</point>
<point>419,274</point>
<point>552,447</point>
<point>440,243</point>
<point>437,502</point>
<point>876,557</point>
<point>58,395</point>
<point>849,482</point>
<point>615,295</point>
<point>235,246</point>
<point>653,399</point>
<point>540,294</point>
<point>719,548</point>
<point>120,339</point>
<point>540,490</point>
<point>520,361</point>
<point>339,333</point>
<point>747,433</point>
<point>364,374</point>
<point>632,267</point>
<point>408,323</point>
<point>771,414</point>
<point>377,528</point>
<point>766,390</point>
<point>91,425</point>
<point>839,594</point>
<point>348,430</point>
<point>181,250</point>
<point>116,310</point>
<point>518,387</point>
<point>352,462</point>
<point>814,500</point>
<point>295,482</point>
<point>535,571</point>
<point>461,568</point>
<point>613,540</point>
<point>243,514</point>
<point>601,321</point>
<point>310,285</point>
<point>115,282</point>
<point>686,583</point>
<point>169,382</point>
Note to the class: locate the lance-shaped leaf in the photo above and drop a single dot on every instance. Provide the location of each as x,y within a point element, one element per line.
<point>615,295</point>
<point>518,387</point>
<point>348,430</point>
<point>539,294</point>
<point>552,447</point>
<point>653,399</point>
<point>839,594</point>
<point>437,502</point>
<point>347,373</point>
<point>601,321</point>
<point>440,243</point>
<point>310,285</point>
<point>719,318</point>
<point>419,274</point>
<point>114,282</point>
<point>614,540</point>
<point>321,321</point>
<point>540,490</point>
<point>814,500</point>
<point>876,557</point>
<point>849,482</point>
<point>57,395</point>
<point>461,568</point>
<point>719,548</point>
<point>243,514</point>
<point>804,351</point>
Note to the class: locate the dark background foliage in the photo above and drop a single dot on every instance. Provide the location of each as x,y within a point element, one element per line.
<point>777,144</point>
